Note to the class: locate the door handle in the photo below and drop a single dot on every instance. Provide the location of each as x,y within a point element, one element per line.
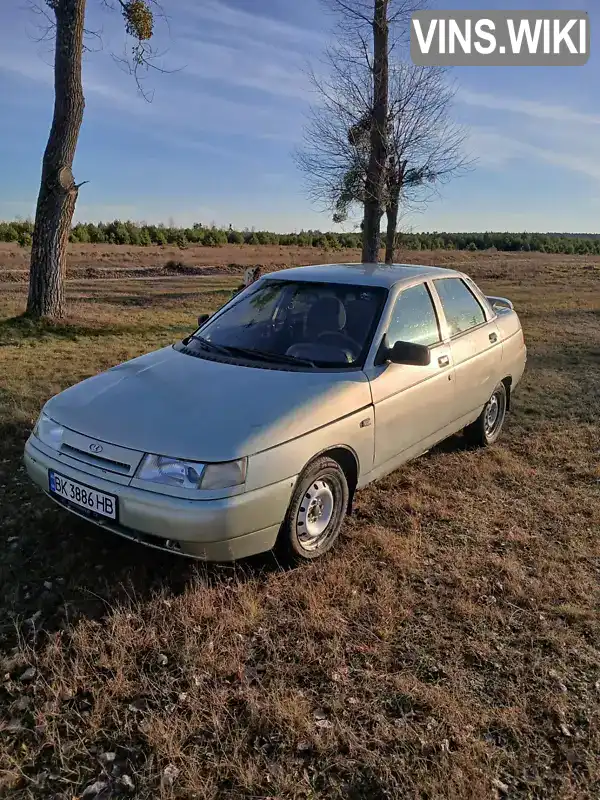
<point>444,361</point>
<point>493,338</point>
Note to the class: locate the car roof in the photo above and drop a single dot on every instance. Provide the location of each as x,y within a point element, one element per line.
<point>385,275</point>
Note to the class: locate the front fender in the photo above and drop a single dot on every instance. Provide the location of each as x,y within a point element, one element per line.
<point>355,431</point>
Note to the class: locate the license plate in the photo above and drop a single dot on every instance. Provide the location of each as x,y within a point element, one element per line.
<point>83,496</point>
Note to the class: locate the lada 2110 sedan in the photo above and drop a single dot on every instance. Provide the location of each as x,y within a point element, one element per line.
<point>255,431</point>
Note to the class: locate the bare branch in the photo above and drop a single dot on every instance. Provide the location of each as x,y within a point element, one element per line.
<point>353,9</point>
<point>140,64</point>
<point>46,21</point>
<point>143,57</point>
<point>425,147</point>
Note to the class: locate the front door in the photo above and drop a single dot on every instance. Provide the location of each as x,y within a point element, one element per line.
<point>411,403</point>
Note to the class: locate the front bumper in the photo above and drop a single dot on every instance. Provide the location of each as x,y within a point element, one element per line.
<point>212,530</point>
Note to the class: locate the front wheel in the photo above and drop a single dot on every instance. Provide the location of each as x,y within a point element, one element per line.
<point>487,427</point>
<point>316,512</point>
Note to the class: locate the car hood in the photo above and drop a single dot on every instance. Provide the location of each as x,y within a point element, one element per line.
<point>174,404</point>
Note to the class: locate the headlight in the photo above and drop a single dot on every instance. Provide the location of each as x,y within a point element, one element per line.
<point>170,471</point>
<point>48,431</point>
<point>191,474</point>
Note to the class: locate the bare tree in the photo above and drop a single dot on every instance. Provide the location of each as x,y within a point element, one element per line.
<point>368,30</point>
<point>424,148</point>
<point>58,190</point>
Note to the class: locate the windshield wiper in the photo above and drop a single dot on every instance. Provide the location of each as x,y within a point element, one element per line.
<point>260,355</point>
<point>210,345</point>
<point>273,358</point>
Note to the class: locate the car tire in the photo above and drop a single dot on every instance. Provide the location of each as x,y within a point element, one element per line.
<point>488,426</point>
<point>316,513</point>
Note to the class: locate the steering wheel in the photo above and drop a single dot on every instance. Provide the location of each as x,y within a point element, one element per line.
<point>340,339</point>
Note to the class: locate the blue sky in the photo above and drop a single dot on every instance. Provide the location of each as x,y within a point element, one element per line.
<point>215,144</point>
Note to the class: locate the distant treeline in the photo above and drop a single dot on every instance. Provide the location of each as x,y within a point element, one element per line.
<point>131,233</point>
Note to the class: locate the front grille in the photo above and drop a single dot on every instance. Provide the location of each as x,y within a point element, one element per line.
<point>96,461</point>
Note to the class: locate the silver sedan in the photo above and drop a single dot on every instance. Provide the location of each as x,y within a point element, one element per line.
<point>255,431</point>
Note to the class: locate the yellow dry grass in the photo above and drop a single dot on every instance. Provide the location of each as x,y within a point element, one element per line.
<point>448,647</point>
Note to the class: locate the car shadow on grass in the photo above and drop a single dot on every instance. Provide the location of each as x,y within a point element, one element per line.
<point>454,444</point>
<point>56,568</point>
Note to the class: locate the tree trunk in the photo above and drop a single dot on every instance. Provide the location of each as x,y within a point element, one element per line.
<point>378,156</point>
<point>394,187</point>
<point>58,191</point>
<point>392,225</point>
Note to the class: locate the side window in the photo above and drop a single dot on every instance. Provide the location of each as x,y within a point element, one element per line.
<point>461,308</point>
<point>413,318</point>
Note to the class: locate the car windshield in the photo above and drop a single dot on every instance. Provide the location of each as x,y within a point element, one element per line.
<point>296,322</point>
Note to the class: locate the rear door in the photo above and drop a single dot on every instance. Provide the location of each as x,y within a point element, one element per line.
<point>475,342</point>
<point>411,403</point>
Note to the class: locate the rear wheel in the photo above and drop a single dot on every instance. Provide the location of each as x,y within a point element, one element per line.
<point>316,512</point>
<point>487,427</point>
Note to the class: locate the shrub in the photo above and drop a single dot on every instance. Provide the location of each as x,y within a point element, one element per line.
<point>264,237</point>
<point>349,240</point>
<point>81,234</point>
<point>194,235</point>
<point>117,233</point>
<point>134,234</point>
<point>235,237</point>
<point>25,239</point>
<point>213,237</point>
<point>332,242</point>
<point>175,266</point>
<point>128,232</point>
<point>11,234</point>
<point>96,234</point>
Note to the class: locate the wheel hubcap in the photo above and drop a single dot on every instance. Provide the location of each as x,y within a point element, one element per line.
<point>492,414</point>
<point>314,514</point>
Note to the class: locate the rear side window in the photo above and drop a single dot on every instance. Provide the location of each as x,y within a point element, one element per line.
<point>414,319</point>
<point>462,310</point>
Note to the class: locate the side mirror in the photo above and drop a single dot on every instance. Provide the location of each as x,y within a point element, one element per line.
<point>202,319</point>
<point>416,355</point>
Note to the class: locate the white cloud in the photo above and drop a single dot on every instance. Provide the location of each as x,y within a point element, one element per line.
<point>530,108</point>
<point>273,71</point>
<point>586,164</point>
<point>571,142</point>
<point>495,150</point>
<point>261,27</point>
<point>492,148</point>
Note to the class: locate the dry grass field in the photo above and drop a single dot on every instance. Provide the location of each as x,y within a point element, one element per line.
<point>448,648</point>
<point>104,261</point>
